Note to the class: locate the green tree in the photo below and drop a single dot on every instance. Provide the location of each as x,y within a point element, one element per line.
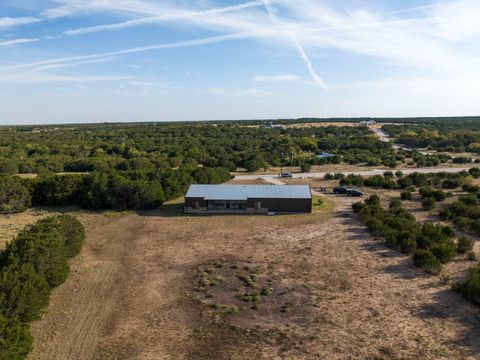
<point>25,293</point>
<point>15,339</point>
<point>14,195</point>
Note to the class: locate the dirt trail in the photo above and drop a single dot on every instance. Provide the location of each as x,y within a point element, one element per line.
<point>130,293</point>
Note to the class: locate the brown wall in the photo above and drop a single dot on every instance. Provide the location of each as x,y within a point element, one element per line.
<point>190,202</point>
<point>273,205</point>
<point>283,205</point>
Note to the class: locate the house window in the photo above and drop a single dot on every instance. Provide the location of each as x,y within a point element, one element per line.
<point>258,205</point>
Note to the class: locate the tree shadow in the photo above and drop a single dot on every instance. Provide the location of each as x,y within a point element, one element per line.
<point>405,269</point>
<point>448,304</point>
<point>166,210</point>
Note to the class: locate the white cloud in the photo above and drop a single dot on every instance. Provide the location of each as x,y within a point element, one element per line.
<point>276,78</point>
<point>17,41</point>
<point>42,78</point>
<point>8,22</point>
<point>82,58</point>
<point>77,63</point>
<point>179,15</point>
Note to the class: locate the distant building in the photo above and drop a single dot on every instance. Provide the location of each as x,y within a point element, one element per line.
<point>367,123</point>
<point>325,155</point>
<point>248,199</point>
<point>273,126</point>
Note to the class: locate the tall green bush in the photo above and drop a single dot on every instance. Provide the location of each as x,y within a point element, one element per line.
<point>14,195</point>
<point>15,339</point>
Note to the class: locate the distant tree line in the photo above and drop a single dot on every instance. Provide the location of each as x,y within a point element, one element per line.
<point>454,136</point>
<point>398,180</point>
<point>130,189</point>
<point>34,263</point>
<point>122,147</point>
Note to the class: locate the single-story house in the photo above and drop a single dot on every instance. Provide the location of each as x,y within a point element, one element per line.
<point>326,155</point>
<point>249,199</point>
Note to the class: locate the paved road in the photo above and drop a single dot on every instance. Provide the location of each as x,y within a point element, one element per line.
<point>362,173</point>
<point>384,137</point>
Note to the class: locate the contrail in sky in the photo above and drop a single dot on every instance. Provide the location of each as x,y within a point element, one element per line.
<point>297,44</point>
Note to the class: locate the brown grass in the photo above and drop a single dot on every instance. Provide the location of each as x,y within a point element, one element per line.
<point>131,292</point>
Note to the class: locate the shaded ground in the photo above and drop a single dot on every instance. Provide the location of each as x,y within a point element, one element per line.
<point>132,293</point>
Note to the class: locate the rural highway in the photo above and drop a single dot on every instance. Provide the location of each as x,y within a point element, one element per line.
<point>362,173</point>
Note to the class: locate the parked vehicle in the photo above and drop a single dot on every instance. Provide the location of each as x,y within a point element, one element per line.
<point>354,192</point>
<point>340,190</point>
<point>286,175</point>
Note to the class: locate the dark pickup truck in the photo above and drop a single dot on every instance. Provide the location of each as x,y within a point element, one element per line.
<point>354,192</point>
<point>347,191</point>
<point>341,190</point>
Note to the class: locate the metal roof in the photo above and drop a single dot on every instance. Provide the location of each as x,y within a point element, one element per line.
<point>244,192</point>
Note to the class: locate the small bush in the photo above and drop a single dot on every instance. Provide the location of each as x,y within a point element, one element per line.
<point>395,204</point>
<point>475,172</point>
<point>406,195</point>
<point>471,287</point>
<point>444,251</point>
<point>428,203</point>
<point>358,206</point>
<point>425,260</point>
<point>464,245</point>
<point>306,168</point>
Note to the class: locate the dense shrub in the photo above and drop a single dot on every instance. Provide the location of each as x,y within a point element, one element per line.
<point>444,251</point>
<point>132,189</point>
<point>429,203</point>
<point>395,204</point>
<point>26,292</point>
<point>14,195</point>
<point>433,244</point>
<point>68,228</point>
<point>35,262</point>
<point>380,181</point>
<point>464,245</point>
<point>471,287</point>
<point>15,339</point>
<point>58,190</point>
<point>425,260</point>
<point>406,195</point>
<point>475,172</point>
<point>465,213</point>
<point>42,247</point>
<point>306,167</point>
<point>352,180</point>
<point>428,192</point>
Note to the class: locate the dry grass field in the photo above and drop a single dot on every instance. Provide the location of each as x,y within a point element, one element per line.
<point>160,285</point>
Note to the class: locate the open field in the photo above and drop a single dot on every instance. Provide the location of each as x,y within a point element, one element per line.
<point>336,293</point>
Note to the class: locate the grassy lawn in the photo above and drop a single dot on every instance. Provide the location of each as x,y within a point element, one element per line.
<point>321,203</point>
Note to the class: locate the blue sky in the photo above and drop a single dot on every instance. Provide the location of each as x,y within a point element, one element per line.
<point>64,61</point>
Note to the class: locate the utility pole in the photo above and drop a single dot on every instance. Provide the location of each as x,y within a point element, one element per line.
<point>281,165</point>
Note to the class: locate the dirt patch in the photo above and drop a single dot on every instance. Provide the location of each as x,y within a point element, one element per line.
<point>249,295</point>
